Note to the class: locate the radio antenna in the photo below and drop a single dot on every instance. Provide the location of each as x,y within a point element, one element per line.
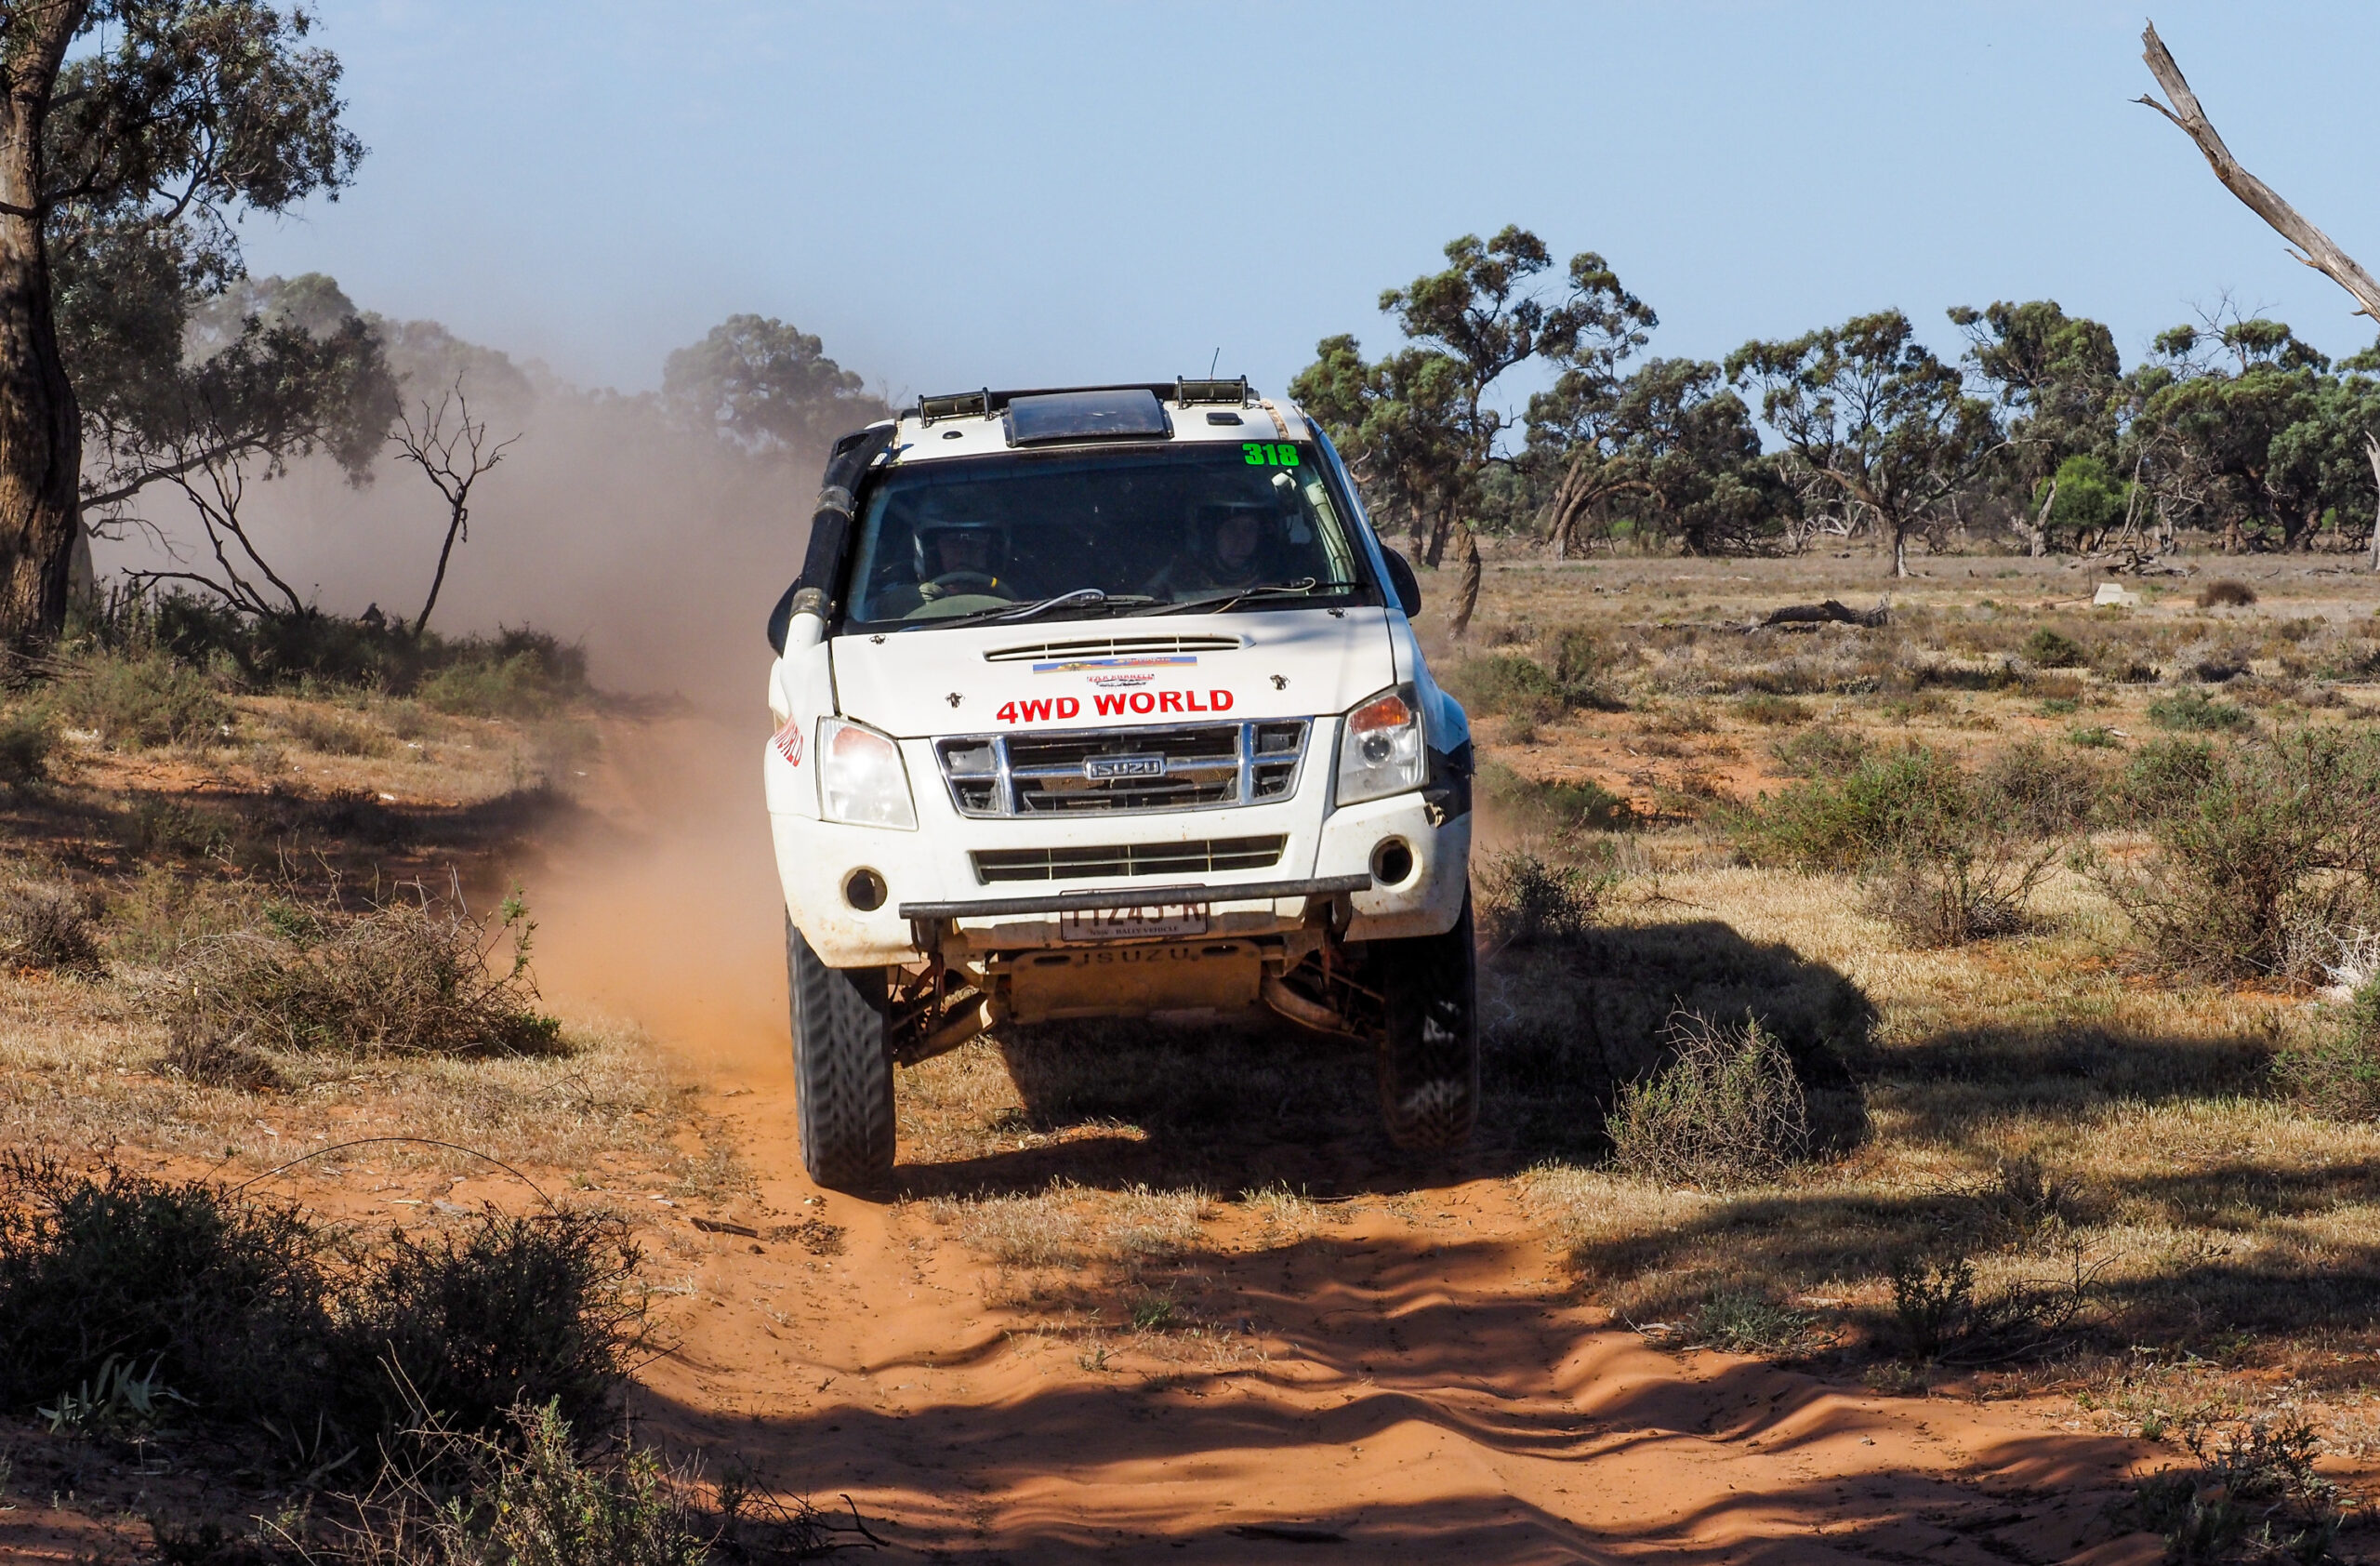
<point>1214,362</point>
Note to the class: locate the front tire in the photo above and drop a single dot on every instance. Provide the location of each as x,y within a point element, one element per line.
<point>842,1069</point>
<point>1429,1050</point>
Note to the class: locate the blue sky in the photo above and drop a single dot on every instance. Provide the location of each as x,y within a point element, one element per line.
<point>1028,193</point>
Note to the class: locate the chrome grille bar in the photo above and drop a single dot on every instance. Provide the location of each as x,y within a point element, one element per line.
<point>1056,771</point>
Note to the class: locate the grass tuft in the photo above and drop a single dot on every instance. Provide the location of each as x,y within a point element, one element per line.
<point>1727,1111</point>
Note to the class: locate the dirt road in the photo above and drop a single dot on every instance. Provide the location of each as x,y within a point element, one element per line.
<point>1416,1378</point>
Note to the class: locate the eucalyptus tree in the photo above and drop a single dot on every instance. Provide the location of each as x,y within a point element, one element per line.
<point>1873,425</point>
<point>129,160</point>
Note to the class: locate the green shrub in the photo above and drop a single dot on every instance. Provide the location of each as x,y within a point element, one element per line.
<point>1776,710</point>
<point>1523,899</point>
<point>2044,791</point>
<point>1728,1110</point>
<point>2048,649</point>
<point>1739,1320</point>
<point>2093,737</point>
<point>1848,822</point>
<point>2273,856</point>
<point>215,1297</point>
<point>2256,1497</point>
<point>225,1312</point>
<point>332,733</point>
<point>1823,751</point>
<point>2195,711</point>
<point>26,739</point>
<point>1501,683</point>
<point>2165,776</point>
<point>137,702</point>
<point>514,1312</point>
<point>2338,1075</point>
<point>1531,806</point>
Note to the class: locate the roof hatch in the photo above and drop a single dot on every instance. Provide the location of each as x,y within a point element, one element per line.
<point>1128,413</point>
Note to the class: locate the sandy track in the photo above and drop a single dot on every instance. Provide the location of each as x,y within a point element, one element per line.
<point>1416,1381</point>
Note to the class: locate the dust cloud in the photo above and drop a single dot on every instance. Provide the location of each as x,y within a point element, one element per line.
<point>657,549</point>
<point>660,552</point>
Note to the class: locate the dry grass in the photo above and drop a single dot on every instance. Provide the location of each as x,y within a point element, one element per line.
<point>1066,1228</point>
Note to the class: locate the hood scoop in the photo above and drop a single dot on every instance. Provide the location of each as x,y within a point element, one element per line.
<point>1112,646</point>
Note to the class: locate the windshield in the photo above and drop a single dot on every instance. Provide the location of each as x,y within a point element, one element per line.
<point>1240,526</point>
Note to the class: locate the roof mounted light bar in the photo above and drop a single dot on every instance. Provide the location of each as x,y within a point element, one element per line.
<point>955,404</point>
<point>1190,394</point>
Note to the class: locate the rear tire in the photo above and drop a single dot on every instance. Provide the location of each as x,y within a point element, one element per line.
<point>842,1069</point>
<point>1429,1050</point>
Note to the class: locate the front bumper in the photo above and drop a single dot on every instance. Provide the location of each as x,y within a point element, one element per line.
<point>934,897</point>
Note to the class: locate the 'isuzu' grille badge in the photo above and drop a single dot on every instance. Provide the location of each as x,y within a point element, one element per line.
<point>1098,768</point>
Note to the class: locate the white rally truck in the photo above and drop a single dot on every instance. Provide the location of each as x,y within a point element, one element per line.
<point>1105,702</point>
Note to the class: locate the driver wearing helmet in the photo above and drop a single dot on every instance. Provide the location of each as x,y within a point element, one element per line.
<point>1234,546</point>
<point>953,561</point>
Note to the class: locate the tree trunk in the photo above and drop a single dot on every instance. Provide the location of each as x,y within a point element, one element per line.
<point>2372,455</point>
<point>2041,522</point>
<point>1466,588</point>
<point>41,445</point>
<point>1900,548</point>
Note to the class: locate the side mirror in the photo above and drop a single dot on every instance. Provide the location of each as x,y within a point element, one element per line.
<point>1401,578</point>
<point>779,618</point>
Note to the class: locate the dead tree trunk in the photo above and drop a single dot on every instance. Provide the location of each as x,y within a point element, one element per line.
<point>41,442</point>
<point>2041,522</point>
<point>2316,249</point>
<point>2372,455</point>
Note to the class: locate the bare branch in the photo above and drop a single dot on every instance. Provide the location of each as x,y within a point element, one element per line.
<point>2316,249</point>
<point>453,462</point>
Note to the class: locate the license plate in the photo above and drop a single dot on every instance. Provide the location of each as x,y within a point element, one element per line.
<point>1133,923</point>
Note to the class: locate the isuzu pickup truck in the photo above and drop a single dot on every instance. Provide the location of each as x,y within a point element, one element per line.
<point>1105,702</point>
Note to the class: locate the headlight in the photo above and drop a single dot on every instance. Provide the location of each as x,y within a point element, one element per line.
<point>860,777</point>
<point>1380,751</point>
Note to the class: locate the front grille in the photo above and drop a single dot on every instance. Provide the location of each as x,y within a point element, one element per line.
<point>1064,772</point>
<point>1111,647</point>
<point>1129,859</point>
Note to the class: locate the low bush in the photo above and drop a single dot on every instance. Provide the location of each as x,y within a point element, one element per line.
<point>1727,1111</point>
<point>1944,1318</point>
<point>1510,684</point>
<point>2163,776</point>
<point>47,926</point>
<point>27,737</point>
<point>234,1313</point>
<point>1523,899</point>
<point>516,1311</point>
<point>2337,1074</point>
<point>1853,819</point>
<point>217,1297</point>
<point>2046,648</point>
<point>404,979</point>
<point>515,673</point>
<point>2225,593</point>
<point>137,702</point>
<point>1738,1320</point>
<point>2194,711</point>
<point>1823,751</point>
<point>2262,866</point>
<point>2041,791</point>
<point>2254,1497</point>
<point>1556,808</point>
<point>332,733</point>
<point>1776,712</point>
<point>1974,886</point>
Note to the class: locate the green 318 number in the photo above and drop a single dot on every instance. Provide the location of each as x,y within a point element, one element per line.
<point>1264,454</point>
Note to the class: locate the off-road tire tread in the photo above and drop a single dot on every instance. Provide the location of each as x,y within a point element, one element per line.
<point>842,1069</point>
<point>1429,1048</point>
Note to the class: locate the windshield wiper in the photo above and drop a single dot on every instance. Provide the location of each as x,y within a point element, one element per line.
<point>1079,597</point>
<point>1303,586</point>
